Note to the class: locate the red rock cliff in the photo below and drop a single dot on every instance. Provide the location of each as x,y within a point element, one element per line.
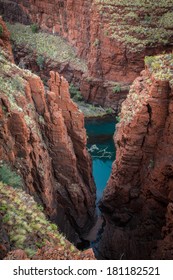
<point>5,41</point>
<point>42,135</point>
<point>139,194</point>
<point>114,37</point>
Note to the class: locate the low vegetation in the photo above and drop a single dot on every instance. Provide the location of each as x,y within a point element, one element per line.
<point>9,177</point>
<point>40,61</point>
<point>137,24</point>
<point>45,45</point>
<point>93,111</point>
<point>75,93</point>
<point>34,28</point>
<point>89,110</point>
<point>12,84</point>
<point>25,223</point>
<point>160,68</point>
<point>117,89</point>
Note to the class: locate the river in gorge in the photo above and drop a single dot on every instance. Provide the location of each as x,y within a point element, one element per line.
<point>101,146</point>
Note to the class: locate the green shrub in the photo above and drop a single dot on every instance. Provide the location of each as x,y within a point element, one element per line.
<point>54,227</point>
<point>6,218</point>
<point>149,60</point>
<point>9,177</point>
<point>1,30</point>
<point>73,90</point>
<point>40,61</point>
<point>166,20</point>
<point>78,97</point>
<point>75,93</point>
<point>117,89</point>
<point>34,28</point>
<point>147,18</point>
<point>30,252</point>
<point>117,119</point>
<point>109,111</point>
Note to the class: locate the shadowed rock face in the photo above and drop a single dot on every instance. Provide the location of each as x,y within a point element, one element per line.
<point>42,135</point>
<point>113,36</point>
<point>138,198</point>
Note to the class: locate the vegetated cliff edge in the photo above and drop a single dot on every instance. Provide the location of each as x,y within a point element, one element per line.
<point>25,233</point>
<point>42,136</point>
<point>113,36</point>
<point>138,200</point>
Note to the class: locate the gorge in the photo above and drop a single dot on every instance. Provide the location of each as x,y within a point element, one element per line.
<point>105,50</point>
<point>102,149</point>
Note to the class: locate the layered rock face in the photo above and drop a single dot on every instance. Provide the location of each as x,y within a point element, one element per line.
<point>138,199</point>
<point>42,135</point>
<point>113,36</point>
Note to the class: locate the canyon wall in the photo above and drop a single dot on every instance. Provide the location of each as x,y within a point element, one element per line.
<point>113,37</point>
<point>138,200</point>
<point>42,135</point>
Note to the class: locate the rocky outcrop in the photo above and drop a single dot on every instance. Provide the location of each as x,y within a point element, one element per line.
<point>51,253</point>
<point>5,40</point>
<point>113,36</point>
<point>138,198</point>
<point>42,136</point>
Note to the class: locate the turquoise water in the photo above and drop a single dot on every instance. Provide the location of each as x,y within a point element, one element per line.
<point>102,150</point>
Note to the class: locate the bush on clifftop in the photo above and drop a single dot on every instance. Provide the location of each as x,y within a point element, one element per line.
<point>9,177</point>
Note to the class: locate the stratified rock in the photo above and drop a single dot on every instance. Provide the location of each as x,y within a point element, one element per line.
<point>42,135</point>
<point>138,198</point>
